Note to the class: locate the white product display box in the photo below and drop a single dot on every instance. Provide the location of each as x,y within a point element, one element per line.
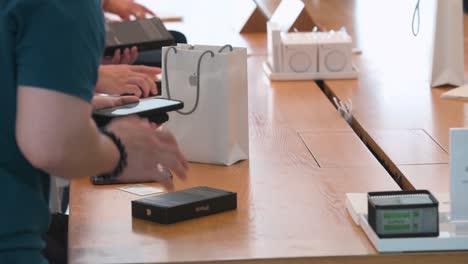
<point>452,235</point>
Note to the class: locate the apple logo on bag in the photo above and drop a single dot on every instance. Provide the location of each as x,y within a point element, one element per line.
<point>193,79</point>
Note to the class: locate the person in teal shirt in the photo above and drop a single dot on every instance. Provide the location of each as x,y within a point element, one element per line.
<point>49,56</point>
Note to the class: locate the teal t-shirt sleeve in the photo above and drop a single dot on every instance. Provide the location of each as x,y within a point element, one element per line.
<point>59,45</point>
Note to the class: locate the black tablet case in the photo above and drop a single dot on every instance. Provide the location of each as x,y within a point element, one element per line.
<point>183,205</point>
<point>146,34</point>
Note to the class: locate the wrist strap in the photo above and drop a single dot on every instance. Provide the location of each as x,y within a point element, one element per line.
<point>122,164</point>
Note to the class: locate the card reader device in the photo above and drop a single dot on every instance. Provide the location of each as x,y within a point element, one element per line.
<point>403,214</point>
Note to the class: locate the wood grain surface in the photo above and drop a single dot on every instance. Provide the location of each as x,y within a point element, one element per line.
<point>393,92</point>
<point>288,207</point>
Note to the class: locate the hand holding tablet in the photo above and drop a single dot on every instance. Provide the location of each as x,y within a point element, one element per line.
<point>145,34</point>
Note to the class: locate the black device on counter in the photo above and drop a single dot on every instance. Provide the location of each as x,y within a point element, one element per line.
<point>145,34</point>
<point>100,180</point>
<point>154,109</point>
<point>184,204</point>
<point>403,214</point>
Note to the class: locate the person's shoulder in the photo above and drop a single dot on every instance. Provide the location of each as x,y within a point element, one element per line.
<point>30,8</point>
<point>65,7</point>
<point>24,5</point>
<point>71,14</point>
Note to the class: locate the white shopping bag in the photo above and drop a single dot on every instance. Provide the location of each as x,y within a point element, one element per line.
<point>212,82</point>
<point>448,53</point>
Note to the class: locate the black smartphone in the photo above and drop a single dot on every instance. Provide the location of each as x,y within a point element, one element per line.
<point>145,34</point>
<point>99,180</point>
<point>154,109</point>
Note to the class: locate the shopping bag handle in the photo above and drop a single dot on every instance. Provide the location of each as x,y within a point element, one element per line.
<point>198,74</point>
<point>226,46</point>
<point>191,47</point>
<point>198,78</point>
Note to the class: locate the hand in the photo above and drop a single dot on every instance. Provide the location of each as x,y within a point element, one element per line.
<point>99,102</point>
<point>148,150</point>
<point>126,8</point>
<point>128,56</point>
<point>127,79</point>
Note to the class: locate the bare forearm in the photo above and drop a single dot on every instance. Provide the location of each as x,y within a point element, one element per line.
<point>85,153</point>
<point>56,134</point>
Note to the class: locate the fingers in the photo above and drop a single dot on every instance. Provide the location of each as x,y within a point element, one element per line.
<point>148,11</point>
<point>116,57</point>
<point>154,88</point>
<point>169,138</point>
<point>125,15</point>
<point>145,83</point>
<point>141,83</point>
<point>123,100</point>
<point>133,54</point>
<point>128,56</point>
<point>140,15</point>
<point>133,89</point>
<point>164,177</point>
<point>140,11</point>
<point>155,126</point>
<point>99,102</point>
<point>152,154</point>
<point>146,70</point>
<point>173,163</point>
<point>167,183</point>
<point>151,85</point>
<point>169,154</point>
<point>150,73</point>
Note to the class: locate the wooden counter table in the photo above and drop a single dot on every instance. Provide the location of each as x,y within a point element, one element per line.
<point>304,158</point>
<point>288,205</point>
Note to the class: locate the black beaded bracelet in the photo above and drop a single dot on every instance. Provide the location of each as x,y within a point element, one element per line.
<point>122,164</point>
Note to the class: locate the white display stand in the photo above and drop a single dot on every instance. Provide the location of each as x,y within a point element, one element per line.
<point>254,14</point>
<point>292,15</point>
<point>287,76</point>
<point>452,236</point>
<point>252,18</point>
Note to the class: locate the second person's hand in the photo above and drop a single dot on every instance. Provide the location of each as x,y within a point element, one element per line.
<point>127,79</point>
<point>125,9</point>
<point>126,56</point>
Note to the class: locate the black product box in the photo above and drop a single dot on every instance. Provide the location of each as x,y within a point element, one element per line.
<point>399,214</point>
<point>184,204</point>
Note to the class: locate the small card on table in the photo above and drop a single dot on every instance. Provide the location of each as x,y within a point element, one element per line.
<point>141,189</point>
